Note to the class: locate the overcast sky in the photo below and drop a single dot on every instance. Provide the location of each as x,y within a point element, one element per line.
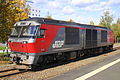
<point>82,11</point>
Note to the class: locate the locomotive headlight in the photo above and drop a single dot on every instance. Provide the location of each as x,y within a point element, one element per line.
<point>25,42</point>
<point>42,49</point>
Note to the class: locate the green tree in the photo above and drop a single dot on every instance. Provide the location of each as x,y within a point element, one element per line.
<point>91,23</point>
<point>10,12</point>
<point>116,28</point>
<point>118,21</point>
<point>106,19</point>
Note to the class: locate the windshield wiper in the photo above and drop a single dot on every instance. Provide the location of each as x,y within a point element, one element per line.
<point>21,31</point>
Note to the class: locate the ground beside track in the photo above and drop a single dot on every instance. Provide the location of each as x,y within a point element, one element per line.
<point>57,70</point>
<point>107,69</point>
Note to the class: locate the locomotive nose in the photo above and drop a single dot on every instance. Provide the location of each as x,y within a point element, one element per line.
<point>18,58</point>
<point>21,58</point>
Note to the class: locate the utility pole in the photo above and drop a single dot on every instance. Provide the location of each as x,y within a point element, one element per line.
<point>7,49</point>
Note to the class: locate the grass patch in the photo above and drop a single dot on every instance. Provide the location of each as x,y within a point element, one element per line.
<point>2,48</point>
<point>117,44</point>
<point>3,53</point>
<point>3,57</point>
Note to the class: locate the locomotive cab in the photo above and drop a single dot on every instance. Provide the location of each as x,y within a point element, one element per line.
<point>23,36</point>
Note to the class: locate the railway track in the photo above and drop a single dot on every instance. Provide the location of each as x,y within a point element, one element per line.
<point>9,65</point>
<point>11,70</point>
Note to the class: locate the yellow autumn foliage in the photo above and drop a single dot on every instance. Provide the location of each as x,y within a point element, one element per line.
<point>71,20</point>
<point>49,17</point>
<point>11,11</point>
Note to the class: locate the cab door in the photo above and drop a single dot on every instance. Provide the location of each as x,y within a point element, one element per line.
<point>40,40</point>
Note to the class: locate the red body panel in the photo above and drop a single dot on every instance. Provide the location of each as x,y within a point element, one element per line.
<point>43,44</point>
<point>18,47</point>
<point>111,37</point>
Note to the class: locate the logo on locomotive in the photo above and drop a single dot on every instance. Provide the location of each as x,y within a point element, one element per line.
<point>58,44</point>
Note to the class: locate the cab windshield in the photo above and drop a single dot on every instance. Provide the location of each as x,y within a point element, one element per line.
<point>22,31</point>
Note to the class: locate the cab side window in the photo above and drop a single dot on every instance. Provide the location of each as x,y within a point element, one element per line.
<point>41,33</point>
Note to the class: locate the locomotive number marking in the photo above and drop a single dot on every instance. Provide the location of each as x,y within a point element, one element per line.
<point>58,44</point>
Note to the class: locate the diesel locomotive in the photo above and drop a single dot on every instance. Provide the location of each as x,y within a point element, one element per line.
<point>35,41</point>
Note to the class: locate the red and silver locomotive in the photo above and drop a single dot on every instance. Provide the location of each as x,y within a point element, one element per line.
<point>35,41</point>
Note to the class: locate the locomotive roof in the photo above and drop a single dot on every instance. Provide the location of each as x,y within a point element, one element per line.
<point>64,23</point>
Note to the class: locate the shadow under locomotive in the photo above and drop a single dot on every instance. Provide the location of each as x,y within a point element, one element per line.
<point>63,62</point>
